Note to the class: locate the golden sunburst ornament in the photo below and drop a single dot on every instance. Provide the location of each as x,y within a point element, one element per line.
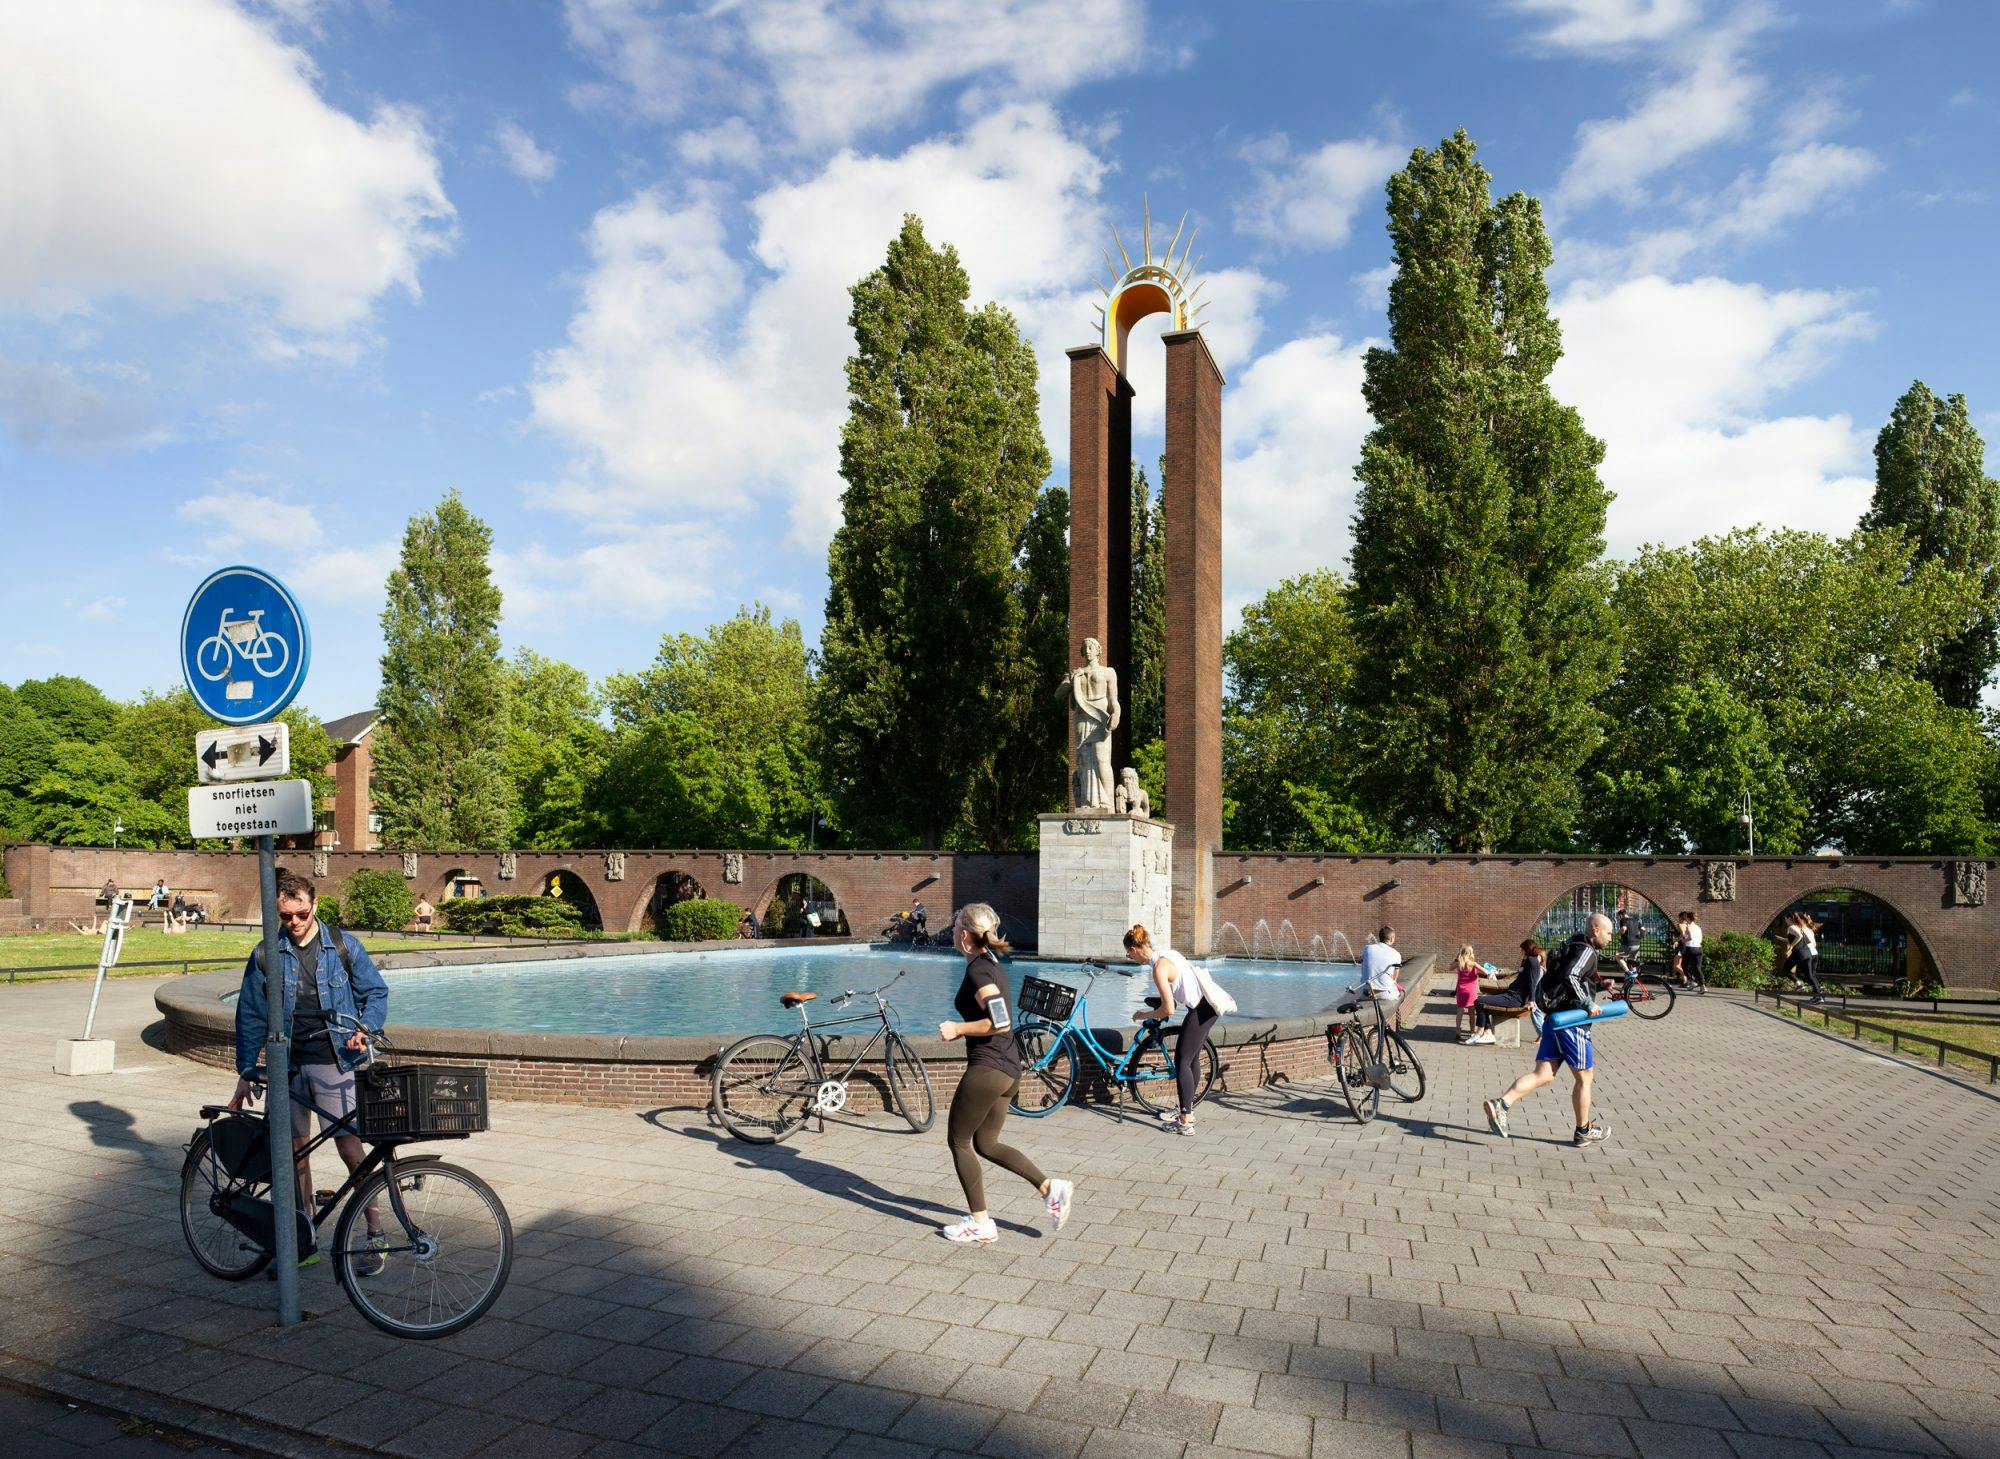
<point>1148,287</point>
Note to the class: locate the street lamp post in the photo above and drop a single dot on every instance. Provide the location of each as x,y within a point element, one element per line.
<point>1748,822</point>
<point>117,830</point>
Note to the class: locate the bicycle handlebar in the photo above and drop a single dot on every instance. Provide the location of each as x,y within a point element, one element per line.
<point>875,993</point>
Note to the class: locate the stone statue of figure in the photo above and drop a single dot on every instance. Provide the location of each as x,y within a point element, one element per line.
<point>1093,693</point>
<point>1132,797</point>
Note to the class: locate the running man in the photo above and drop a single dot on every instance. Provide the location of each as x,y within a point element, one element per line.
<point>1568,984</point>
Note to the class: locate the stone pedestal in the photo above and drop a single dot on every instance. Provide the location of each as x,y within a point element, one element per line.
<point>85,1056</point>
<point>1100,874</point>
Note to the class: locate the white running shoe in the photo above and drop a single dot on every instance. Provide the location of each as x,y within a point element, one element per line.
<point>1061,1192</point>
<point>1484,1036</point>
<point>1171,1118</point>
<point>968,1230</point>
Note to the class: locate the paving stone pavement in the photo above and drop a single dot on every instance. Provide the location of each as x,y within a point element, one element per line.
<point>1786,1249</point>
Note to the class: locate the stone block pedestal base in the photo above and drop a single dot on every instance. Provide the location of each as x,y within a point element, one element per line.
<point>85,1056</point>
<point>1099,875</point>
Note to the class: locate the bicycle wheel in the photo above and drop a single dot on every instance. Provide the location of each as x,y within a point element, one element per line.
<point>212,658</point>
<point>268,647</point>
<point>1363,1098</point>
<point>1406,1073</point>
<point>1048,1069</point>
<point>1152,1075</point>
<point>1651,996</point>
<point>909,1084</point>
<point>764,1088</point>
<point>222,1250</point>
<point>441,1281</point>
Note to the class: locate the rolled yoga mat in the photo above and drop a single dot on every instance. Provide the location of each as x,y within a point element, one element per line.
<point>1571,1017</point>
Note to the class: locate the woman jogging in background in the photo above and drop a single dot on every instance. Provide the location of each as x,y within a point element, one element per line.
<point>992,1077</point>
<point>1179,988</point>
<point>1691,972</point>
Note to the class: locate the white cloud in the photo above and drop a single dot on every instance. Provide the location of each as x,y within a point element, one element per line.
<point>1676,379</point>
<point>1372,287</point>
<point>661,571</point>
<point>177,152</point>
<point>253,517</point>
<point>102,610</point>
<point>524,156</point>
<point>1609,25</point>
<point>348,575</point>
<point>729,143</point>
<point>1292,428</point>
<point>825,72</point>
<point>55,406</point>
<point>1310,199</point>
<point>695,383</point>
<point>1705,98</point>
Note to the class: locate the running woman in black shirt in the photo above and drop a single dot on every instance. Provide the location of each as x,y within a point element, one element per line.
<point>992,1077</point>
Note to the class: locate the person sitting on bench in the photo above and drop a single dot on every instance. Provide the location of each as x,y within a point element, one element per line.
<point>1513,1001</point>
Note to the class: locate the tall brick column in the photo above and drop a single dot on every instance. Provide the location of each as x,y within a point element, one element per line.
<point>1193,669</point>
<point>1100,523</point>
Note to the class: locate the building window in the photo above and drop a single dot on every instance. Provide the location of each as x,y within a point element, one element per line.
<point>323,821</point>
<point>374,823</point>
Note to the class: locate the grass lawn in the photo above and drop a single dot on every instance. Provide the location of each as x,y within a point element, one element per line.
<point>150,944</point>
<point>1972,1031</point>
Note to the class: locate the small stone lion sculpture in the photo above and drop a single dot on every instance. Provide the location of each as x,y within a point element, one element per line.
<point>1131,798</point>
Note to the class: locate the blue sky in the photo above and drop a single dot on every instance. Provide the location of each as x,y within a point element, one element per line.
<point>274,276</point>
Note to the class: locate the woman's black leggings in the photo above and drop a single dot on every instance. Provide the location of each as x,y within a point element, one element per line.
<point>1188,1044</point>
<point>1482,1010</point>
<point>972,1129</point>
<point>1809,965</point>
<point>1691,966</point>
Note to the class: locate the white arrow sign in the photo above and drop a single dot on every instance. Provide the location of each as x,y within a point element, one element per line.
<point>261,808</point>
<point>244,752</point>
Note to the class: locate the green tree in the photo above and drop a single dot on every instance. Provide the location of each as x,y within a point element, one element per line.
<point>1288,769</point>
<point>440,775</point>
<point>1798,649</point>
<point>72,708</point>
<point>1146,686</point>
<point>84,790</point>
<point>377,901</point>
<point>943,458</point>
<point>713,742</point>
<point>1478,603</point>
<point>1931,483</point>
<point>556,750</point>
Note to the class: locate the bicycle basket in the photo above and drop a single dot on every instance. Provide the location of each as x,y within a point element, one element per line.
<point>422,1101</point>
<point>241,1148</point>
<point>1044,999</point>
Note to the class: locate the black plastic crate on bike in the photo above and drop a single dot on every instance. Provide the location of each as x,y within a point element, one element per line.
<point>422,1101</point>
<point>1044,999</point>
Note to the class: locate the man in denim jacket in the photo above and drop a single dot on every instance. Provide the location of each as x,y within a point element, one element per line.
<point>325,973</point>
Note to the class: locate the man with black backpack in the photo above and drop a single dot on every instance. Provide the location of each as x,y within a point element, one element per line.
<point>1570,982</point>
<point>326,974</point>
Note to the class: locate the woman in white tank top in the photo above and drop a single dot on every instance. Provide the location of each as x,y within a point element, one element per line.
<point>1179,989</point>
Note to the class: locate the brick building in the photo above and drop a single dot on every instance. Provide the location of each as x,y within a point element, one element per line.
<point>348,822</point>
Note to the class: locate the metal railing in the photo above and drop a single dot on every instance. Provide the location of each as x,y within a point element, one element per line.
<point>1897,1036</point>
<point>50,972</point>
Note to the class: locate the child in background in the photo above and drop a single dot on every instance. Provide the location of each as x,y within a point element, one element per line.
<point>1467,969</point>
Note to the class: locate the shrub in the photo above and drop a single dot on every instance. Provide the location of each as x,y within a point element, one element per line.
<point>378,901</point>
<point>1737,960</point>
<point>329,910</point>
<point>512,917</point>
<point>700,919</point>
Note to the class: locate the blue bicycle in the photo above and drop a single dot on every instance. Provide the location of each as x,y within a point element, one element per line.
<point>1056,1028</point>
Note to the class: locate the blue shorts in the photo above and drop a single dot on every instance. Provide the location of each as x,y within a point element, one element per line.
<point>1569,1046</point>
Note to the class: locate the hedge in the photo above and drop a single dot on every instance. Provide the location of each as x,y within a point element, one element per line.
<point>700,919</point>
<point>1737,960</point>
<point>511,917</point>
<point>377,901</point>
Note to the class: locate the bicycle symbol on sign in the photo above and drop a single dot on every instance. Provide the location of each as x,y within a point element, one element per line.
<point>248,638</point>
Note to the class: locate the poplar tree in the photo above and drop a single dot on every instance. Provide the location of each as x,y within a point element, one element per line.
<point>1146,693</point>
<point>440,776</point>
<point>1479,603</point>
<point>943,458</point>
<point>1931,484</point>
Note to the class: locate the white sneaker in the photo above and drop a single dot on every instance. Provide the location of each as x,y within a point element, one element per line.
<point>1484,1036</point>
<point>968,1230</point>
<point>1060,1194</point>
<point>1171,1117</point>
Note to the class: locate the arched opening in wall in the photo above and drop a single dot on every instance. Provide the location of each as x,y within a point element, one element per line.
<point>457,884</point>
<point>1630,912</point>
<point>671,887</point>
<point>1859,937</point>
<point>572,889</point>
<point>801,905</point>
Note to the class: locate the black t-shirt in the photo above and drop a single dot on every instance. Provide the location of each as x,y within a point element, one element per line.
<point>996,1050</point>
<point>310,1045</point>
<point>1631,938</point>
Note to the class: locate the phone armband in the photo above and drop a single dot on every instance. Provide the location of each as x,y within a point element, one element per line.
<point>996,1009</point>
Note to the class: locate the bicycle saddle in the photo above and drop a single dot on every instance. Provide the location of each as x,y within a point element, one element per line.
<point>793,1000</point>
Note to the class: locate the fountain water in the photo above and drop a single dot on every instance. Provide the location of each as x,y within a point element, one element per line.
<point>1288,941</point>
<point>1261,942</point>
<point>1229,942</point>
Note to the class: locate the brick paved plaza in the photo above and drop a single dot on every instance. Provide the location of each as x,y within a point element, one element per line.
<point>1788,1248</point>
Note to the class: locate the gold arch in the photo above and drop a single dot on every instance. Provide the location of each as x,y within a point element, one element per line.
<point>1151,286</point>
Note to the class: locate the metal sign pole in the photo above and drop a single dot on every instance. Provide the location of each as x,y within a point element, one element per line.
<point>119,919</point>
<point>278,1097</point>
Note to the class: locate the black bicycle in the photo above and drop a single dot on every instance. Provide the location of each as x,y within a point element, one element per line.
<point>1369,1060</point>
<point>767,1085</point>
<point>430,1265</point>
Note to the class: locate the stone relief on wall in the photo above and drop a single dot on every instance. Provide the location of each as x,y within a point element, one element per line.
<point>732,868</point>
<point>319,864</point>
<point>1968,884</point>
<point>1718,881</point>
<point>506,866</point>
<point>614,866</point>
<point>409,866</point>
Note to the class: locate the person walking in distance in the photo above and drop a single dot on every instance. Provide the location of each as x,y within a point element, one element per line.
<point>992,1077</point>
<point>1568,984</point>
<point>1179,987</point>
<point>1808,954</point>
<point>1691,972</point>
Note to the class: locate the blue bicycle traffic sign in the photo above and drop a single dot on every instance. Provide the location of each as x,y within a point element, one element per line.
<point>244,645</point>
